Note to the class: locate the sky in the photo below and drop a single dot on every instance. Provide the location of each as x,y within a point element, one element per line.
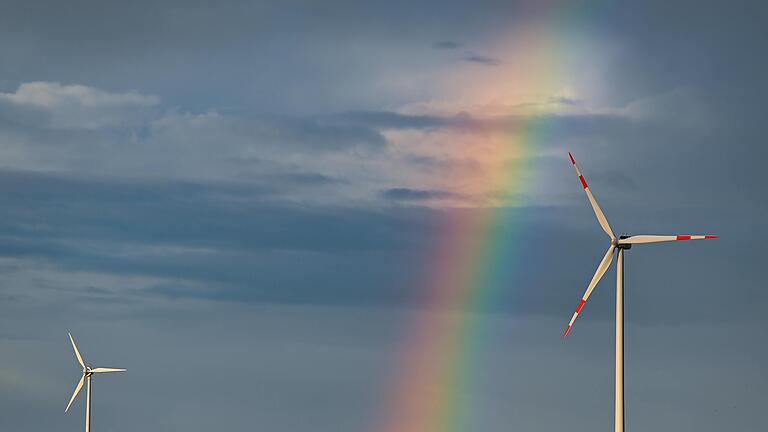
<point>352,216</point>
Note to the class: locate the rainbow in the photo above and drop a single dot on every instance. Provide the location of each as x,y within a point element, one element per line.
<point>475,254</point>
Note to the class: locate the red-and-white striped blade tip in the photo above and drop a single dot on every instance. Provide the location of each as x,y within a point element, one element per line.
<point>592,201</point>
<point>578,171</point>
<point>573,318</point>
<point>637,239</point>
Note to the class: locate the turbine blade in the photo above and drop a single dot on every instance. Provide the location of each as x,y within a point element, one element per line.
<point>638,239</point>
<point>102,370</point>
<point>595,206</point>
<point>77,390</point>
<point>601,269</point>
<point>77,353</point>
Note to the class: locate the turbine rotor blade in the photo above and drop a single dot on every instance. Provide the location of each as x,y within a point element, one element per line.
<point>77,390</point>
<point>103,370</point>
<point>601,269</point>
<point>638,239</point>
<point>595,206</point>
<point>77,353</point>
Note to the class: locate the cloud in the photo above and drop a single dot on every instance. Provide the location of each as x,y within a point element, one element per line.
<point>198,241</point>
<point>391,120</point>
<point>54,128</point>
<point>55,95</point>
<point>100,238</point>
<point>346,157</point>
<point>552,111</point>
<point>483,60</point>
<point>78,106</point>
<point>567,101</point>
<point>406,194</point>
<point>287,133</point>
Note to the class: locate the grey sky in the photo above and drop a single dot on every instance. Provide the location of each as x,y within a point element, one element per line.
<point>239,203</point>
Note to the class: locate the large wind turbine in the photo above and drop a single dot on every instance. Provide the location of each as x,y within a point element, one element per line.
<point>619,244</point>
<point>87,373</point>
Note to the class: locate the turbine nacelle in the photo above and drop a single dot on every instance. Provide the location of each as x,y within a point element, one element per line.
<point>621,245</point>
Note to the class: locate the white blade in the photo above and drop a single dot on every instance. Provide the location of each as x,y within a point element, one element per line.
<point>77,390</point>
<point>102,370</point>
<point>598,212</point>
<point>601,269</point>
<point>77,353</point>
<point>663,238</point>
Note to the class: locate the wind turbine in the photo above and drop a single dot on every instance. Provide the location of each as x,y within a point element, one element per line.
<point>619,244</point>
<point>87,374</point>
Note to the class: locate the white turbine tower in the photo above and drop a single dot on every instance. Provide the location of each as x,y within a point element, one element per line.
<point>87,373</point>
<point>619,244</point>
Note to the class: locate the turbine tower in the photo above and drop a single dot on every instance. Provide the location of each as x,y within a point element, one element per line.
<point>87,374</point>
<point>619,245</point>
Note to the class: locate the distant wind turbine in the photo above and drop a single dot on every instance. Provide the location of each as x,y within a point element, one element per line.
<point>87,373</point>
<point>619,244</point>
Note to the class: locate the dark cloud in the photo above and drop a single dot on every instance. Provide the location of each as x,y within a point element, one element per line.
<point>571,125</point>
<point>237,242</point>
<point>391,120</point>
<point>150,211</point>
<point>406,194</point>
<point>308,179</point>
<point>483,60</point>
<point>315,135</point>
<point>223,236</point>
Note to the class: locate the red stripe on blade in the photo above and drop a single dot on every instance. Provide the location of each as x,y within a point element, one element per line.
<point>581,304</point>
<point>568,330</point>
<point>683,238</point>
<point>706,236</point>
<point>583,182</point>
